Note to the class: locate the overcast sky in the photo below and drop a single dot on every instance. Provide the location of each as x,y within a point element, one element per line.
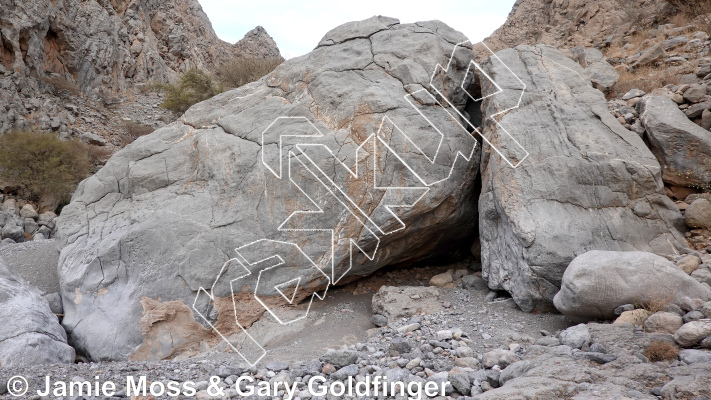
<point>297,27</point>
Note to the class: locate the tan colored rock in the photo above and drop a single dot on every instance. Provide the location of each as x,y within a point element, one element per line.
<point>635,317</point>
<point>442,280</point>
<point>693,332</point>
<point>663,322</point>
<point>689,264</point>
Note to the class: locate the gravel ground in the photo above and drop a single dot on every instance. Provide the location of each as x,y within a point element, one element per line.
<point>481,344</point>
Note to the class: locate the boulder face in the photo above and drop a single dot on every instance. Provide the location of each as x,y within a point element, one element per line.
<point>115,44</point>
<point>29,334</point>
<point>588,183</point>
<point>682,147</point>
<point>339,162</point>
<point>597,282</point>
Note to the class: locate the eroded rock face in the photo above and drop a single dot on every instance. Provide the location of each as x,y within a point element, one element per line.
<point>29,334</point>
<point>597,282</point>
<point>575,22</point>
<point>682,147</point>
<point>112,45</point>
<point>165,214</point>
<point>587,184</point>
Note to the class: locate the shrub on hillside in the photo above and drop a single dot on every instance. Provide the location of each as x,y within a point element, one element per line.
<point>242,71</point>
<point>134,130</point>
<point>193,87</point>
<point>42,164</point>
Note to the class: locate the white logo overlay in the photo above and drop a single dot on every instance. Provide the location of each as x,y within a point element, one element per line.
<point>310,164</point>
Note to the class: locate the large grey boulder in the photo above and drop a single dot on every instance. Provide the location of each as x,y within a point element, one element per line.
<point>164,216</point>
<point>682,147</point>
<point>587,184</point>
<point>597,282</point>
<point>29,334</point>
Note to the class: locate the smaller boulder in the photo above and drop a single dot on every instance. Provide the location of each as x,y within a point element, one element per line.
<point>597,282</point>
<point>576,336</point>
<point>515,370</point>
<point>502,358</point>
<point>339,358</point>
<point>695,94</point>
<point>688,304</point>
<point>634,317</point>
<point>654,54</point>
<point>625,307</point>
<point>27,211</point>
<point>692,356</point>
<point>693,332</point>
<point>702,275</point>
<point>663,322</point>
<point>13,231</point>
<point>379,320</point>
<point>698,215</point>
<point>689,264</point>
<point>442,280</point>
<point>474,282</point>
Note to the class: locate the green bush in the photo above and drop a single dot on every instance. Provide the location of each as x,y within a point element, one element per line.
<point>42,164</point>
<point>242,71</point>
<point>193,87</point>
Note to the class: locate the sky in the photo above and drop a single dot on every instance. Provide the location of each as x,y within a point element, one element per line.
<point>298,26</point>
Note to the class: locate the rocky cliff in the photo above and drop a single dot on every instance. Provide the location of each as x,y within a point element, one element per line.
<point>72,67</point>
<point>111,45</point>
<point>568,23</point>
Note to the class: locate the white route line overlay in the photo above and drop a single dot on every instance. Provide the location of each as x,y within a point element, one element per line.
<point>363,216</point>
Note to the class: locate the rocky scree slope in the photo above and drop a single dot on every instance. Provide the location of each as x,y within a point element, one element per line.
<point>571,23</point>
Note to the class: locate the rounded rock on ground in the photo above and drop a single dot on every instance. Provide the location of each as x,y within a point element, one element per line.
<point>576,336</point>
<point>278,366</point>
<point>698,215</point>
<point>693,332</point>
<point>379,320</point>
<point>474,282</point>
<point>634,317</point>
<point>502,358</point>
<point>689,264</point>
<point>597,282</point>
<point>663,322</point>
<point>442,280</point>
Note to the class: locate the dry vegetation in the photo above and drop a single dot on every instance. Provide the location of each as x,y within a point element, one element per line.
<point>647,78</point>
<point>661,351</point>
<point>696,12</point>
<point>59,83</point>
<point>98,155</point>
<point>242,71</point>
<point>132,131</point>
